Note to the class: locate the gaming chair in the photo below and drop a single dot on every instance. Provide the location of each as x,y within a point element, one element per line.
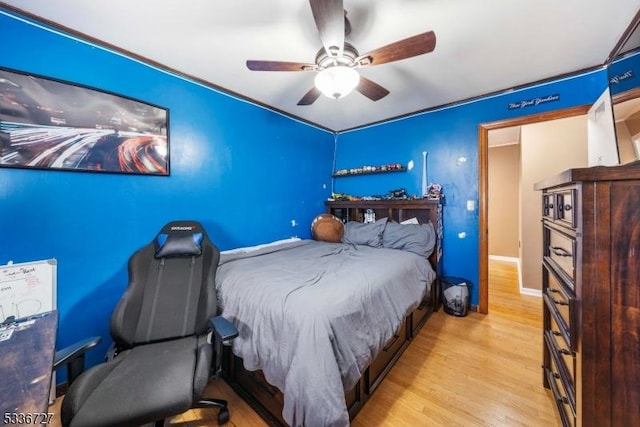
<point>162,328</point>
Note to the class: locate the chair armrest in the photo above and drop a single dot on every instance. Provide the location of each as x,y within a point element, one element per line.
<point>224,329</point>
<point>74,350</point>
<point>72,357</point>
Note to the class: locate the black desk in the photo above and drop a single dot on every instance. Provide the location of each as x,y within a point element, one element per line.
<point>26,361</point>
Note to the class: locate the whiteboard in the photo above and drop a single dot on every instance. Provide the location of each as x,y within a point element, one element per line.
<point>27,288</point>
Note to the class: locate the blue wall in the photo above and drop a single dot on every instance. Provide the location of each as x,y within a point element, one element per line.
<point>446,135</point>
<point>243,171</point>
<point>624,74</point>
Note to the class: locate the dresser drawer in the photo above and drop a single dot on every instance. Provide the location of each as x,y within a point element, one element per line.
<point>383,361</point>
<point>564,363</point>
<point>560,304</point>
<point>565,208</point>
<point>549,206</point>
<point>561,250</point>
<point>420,314</point>
<point>560,207</point>
<point>566,357</point>
<point>254,383</point>
<point>565,408</point>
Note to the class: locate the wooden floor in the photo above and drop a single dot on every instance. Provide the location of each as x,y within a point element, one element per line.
<point>478,370</point>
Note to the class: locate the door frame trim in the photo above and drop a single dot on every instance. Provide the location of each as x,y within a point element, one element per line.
<point>483,187</point>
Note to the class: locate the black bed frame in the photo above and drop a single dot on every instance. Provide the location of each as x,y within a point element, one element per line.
<point>268,401</point>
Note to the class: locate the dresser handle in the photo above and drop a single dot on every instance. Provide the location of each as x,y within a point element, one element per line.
<point>558,302</point>
<point>559,251</point>
<point>560,350</point>
<point>391,343</point>
<point>567,207</point>
<point>556,291</point>
<point>555,301</point>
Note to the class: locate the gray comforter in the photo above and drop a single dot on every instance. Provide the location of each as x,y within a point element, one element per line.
<point>312,316</point>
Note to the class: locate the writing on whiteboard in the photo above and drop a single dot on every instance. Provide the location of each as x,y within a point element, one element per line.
<point>27,289</point>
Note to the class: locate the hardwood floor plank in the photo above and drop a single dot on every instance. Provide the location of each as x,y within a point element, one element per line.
<point>478,370</point>
<point>472,371</point>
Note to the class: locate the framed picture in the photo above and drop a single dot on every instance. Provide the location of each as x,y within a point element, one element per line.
<point>51,124</point>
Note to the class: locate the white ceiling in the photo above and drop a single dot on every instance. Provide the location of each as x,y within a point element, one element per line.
<point>504,136</point>
<point>482,46</point>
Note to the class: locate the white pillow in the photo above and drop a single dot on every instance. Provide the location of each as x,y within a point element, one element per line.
<point>246,249</point>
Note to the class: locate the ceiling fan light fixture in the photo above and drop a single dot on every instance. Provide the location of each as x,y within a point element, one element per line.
<point>337,81</point>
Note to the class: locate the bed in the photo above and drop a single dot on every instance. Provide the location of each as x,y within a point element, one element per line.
<point>321,323</point>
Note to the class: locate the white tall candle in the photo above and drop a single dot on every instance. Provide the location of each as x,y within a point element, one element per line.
<point>425,189</point>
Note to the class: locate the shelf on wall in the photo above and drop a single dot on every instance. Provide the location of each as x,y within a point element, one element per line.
<point>375,170</point>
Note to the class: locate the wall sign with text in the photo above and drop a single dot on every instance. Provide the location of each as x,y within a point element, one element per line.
<point>525,103</point>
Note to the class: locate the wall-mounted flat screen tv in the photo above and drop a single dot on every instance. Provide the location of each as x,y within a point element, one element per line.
<point>51,124</point>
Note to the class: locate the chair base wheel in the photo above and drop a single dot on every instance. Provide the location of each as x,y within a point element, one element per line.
<point>223,416</point>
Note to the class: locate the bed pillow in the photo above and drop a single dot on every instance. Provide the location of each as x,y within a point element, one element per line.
<point>359,233</point>
<point>247,249</point>
<point>417,238</point>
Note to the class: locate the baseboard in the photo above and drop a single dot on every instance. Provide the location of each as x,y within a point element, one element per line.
<point>532,292</point>
<point>515,260</point>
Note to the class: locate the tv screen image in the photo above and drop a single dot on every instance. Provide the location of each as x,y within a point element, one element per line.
<point>50,124</point>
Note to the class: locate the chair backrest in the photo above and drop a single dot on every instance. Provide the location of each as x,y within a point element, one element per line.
<point>171,292</point>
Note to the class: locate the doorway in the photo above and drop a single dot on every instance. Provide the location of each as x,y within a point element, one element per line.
<point>483,188</point>
<point>505,216</point>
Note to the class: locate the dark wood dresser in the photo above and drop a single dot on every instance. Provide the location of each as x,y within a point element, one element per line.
<point>591,293</point>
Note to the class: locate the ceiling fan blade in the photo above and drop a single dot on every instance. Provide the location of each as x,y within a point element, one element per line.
<point>347,25</point>
<point>402,49</point>
<point>279,66</point>
<point>329,18</point>
<point>371,89</point>
<point>310,97</point>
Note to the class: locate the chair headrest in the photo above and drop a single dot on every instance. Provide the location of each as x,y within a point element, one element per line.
<point>179,238</point>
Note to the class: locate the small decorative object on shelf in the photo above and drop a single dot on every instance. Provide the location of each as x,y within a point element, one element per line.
<point>342,197</point>
<point>435,191</point>
<point>369,216</point>
<point>397,194</point>
<point>392,167</point>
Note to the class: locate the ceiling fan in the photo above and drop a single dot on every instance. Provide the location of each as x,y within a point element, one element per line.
<point>337,61</point>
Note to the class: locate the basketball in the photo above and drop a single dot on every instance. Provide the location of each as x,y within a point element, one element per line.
<point>328,228</point>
